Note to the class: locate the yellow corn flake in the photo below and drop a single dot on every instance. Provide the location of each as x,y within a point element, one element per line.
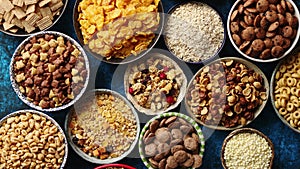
<point>123,27</point>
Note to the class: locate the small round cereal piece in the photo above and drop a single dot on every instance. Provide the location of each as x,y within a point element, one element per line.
<point>287,31</point>
<point>171,162</point>
<point>233,15</point>
<point>176,134</point>
<point>289,18</point>
<point>176,148</point>
<point>257,20</point>
<point>244,45</point>
<point>281,19</point>
<point>260,33</point>
<point>258,45</point>
<point>154,125</point>
<point>280,9</point>
<point>286,43</point>
<point>159,157</point>
<point>273,26</point>
<point>237,40</point>
<point>170,120</point>
<point>264,23</point>
<point>153,163</point>
<point>277,51</point>
<point>268,43</point>
<point>190,143</point>
<point>189,162</point>
<point>271,16</point>
<point>151,149</point>
<point>162,164</point>
<point>234,27</point>
<point>262,5</point>
<point>197,161</point>
<point>162,135</point>
<point>270,34</point>
<point>180,156</point>
<point>248,34</point>
<point>290,7</point>
<point>277,40</point>
<point>265,54</point>
<point>163,148</point>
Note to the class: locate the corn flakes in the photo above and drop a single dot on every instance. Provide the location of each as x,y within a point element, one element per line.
<point>118,28</point>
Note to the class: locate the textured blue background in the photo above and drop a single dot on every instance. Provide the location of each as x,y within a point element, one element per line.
<point>286,141</point>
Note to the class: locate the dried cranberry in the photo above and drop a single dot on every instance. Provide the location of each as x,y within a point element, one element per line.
<point>170,99</point>
<point>131,90</point>
<point>162,75</point>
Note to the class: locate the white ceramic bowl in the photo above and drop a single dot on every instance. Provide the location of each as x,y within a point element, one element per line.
<point>23,112</point>
<point>273,85</point>
<point>84,155</point>
<point>258,109</point>
<point>15,85</point>
<point>294,42</point>
<point>170,114</point>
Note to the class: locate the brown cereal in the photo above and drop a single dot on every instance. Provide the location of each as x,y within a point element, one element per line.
<point>277,51</point>
<point>270,19</point>
<point>258,45</point>
<point>265,54</point>
<point>229,98</point>
<point>178,151</point>
<point>47,86</point>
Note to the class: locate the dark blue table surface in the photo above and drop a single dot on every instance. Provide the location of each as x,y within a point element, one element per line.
<point>286,142</point>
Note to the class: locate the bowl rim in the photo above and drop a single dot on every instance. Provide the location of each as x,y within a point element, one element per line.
<point>211,58</point>
<point>128,59</point>
<point>39,31</point>
<point>160,55</point>
<point>249,65</point>
<point>169,114</point>
<point>246,130</point>
<point>297,14</point>
<point>16,86</point>
<point>19,112</point>
<point>93,159</point>
<point>114,165</point>
<point>272,86</point>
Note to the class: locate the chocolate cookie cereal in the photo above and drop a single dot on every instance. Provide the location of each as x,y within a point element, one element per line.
<point>170,147</point>
<point>257,21</point>
<point>225,93</point>
<point>49,71</point>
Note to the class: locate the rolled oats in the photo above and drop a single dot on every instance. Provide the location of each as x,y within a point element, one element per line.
<point>103,126</point>
<point>194,32</point>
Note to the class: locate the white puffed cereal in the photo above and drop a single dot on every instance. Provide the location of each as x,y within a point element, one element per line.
<point>247,151</point>
<point>194,32</point>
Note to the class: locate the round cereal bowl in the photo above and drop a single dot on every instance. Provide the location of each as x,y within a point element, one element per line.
<point>273,82</point>
<point>168,115</point>
<point>183,22</point>
<point>246,130</point>
<point>113,60</point>
<point>22,33</point>
<point>71,137</point>
<point>16,86</point>
<point>287,51</point>
<point>118,166</point>
<point>129,75</point>
<point>24,113</point>
<point>257,110</point>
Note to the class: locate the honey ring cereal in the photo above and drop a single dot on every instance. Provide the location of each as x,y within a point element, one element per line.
<point>296,115</point>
